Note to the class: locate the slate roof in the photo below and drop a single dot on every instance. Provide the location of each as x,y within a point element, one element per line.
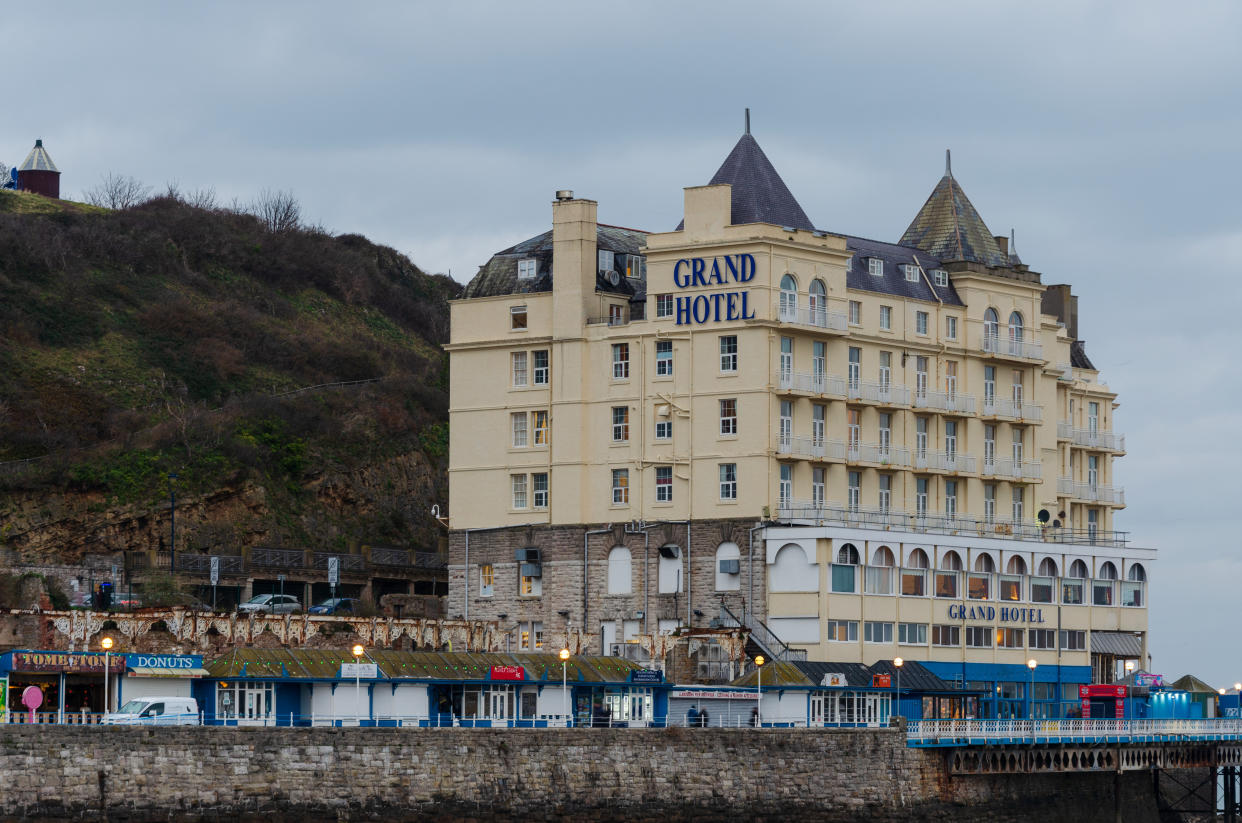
<point>38,160</point>
<point>1078,356</point>
<point>1190,683</point>
<point>914,676</point>
<point>500,274</point>
<point>893,281</point>
<point>1123,644</point>
<point>949,228</point>
<point>759,194</point>
<point>325,663</point>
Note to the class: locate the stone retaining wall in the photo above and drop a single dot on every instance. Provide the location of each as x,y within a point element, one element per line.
<point>673,775</point>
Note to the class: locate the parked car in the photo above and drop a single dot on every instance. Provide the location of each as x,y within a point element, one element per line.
<point>271,604</point>
<point>335,605</point>
<point>127,603</point>
<point>155,711</point>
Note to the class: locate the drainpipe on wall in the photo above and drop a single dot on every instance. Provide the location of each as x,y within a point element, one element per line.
<point>586,536</point>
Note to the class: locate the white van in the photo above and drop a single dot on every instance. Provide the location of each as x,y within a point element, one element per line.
<point>155,711</point>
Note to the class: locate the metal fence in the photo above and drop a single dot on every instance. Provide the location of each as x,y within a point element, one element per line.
<point>974,732</point>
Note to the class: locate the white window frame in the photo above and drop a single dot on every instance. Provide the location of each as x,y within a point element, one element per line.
<point>538,495</point>
<point>912,273</point>
<point>886,318</point>
<point>728,423</point>
<point>528,268</point>
<point>519,361</point>
<point>620,361</point>
<point>950,328</point>
<point>664,484</point>
<point>664,358</point>
<point>518,427</point>
<point>855,308</point>
<point>940,277</point>
<point>540,433</point>
<point>664,306</point>
<point>620,487</point>
<point>620,424</point>
<point>487,580</point>
<point>664,430</point>
<point>875,266</point>
<point>540,373</point>
<point>728,353</point>
<point>518,487</point>
<point>920,323</point>
<point>728,481</point>
<point>519,319</point>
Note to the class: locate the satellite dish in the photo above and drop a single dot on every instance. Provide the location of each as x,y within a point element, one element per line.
<point>1044,516</point>
<point>613,278</point>
<point>1056,524</point>
<point>1061,515</point>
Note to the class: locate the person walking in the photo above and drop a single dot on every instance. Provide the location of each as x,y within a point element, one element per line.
<point>692,716</point>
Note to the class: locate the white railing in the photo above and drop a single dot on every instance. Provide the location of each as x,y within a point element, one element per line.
<point>935,523</point>
<point>1004,467</point>
<point>1066,370</point>
<point>944,401</point>
<point>1001,407</point>
<point>875,453</point>
<point>944,461</point>
<point>1054,730</point>
<point>883,393</point>
<point>817,449</point>
<point>819,318</point>
<point>812,383</point>
<point>1091,492</point>
<point>997,344</point>
<point>1091,438</point>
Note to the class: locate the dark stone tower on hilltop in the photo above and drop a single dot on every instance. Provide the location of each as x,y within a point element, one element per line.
<point>38,173</point>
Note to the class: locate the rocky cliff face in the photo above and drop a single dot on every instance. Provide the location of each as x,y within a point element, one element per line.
<point>291,382</point>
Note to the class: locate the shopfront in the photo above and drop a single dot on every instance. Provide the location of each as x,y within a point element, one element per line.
<point>158,675</point>
<point>71,684</point>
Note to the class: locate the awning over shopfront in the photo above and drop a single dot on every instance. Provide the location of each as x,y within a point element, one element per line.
<point>1118,644</point>
<point>163,672</point>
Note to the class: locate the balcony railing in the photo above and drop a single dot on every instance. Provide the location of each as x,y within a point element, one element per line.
<point>945,401</point>
<point>812,383</point>
<point>806,511</point>
<point>1001,407</point>
<point>883,393</point>
<point>1066,371</point>
<point>1091,492</point>
<point>1091,438</point>
<point>818,317</point>
<point>996,344</point>
<point>944,461</point>
<point>1021,469</point>
<point>816,449</point>
<point>876,453</point>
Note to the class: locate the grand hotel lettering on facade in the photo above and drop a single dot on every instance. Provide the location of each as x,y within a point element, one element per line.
<point>876,449</point>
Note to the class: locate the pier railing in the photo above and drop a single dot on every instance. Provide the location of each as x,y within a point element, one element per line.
<point>1068,730</point>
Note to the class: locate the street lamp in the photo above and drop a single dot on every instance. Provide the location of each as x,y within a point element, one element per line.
<point>107,647</point>
<point>564,655</point>
<point>358,650</point>
<point>898,663</point>
<point>1030,694</point>
<point>759,702</point>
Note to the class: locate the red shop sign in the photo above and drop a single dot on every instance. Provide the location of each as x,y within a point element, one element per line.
<point>508,673</point>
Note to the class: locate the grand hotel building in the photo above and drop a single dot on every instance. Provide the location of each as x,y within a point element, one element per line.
<point>866,449</point>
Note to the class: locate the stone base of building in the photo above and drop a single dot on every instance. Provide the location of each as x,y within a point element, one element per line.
<point>667,574</point>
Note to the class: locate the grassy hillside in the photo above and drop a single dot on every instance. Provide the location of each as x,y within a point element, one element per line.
<point>172,339</point>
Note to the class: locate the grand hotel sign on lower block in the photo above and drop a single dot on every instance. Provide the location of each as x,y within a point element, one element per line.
<point>989,614</point>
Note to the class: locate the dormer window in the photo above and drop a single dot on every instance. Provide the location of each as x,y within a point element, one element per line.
<point>912,273</point>
<point>875,266</point>
<point>635,266</point>
<point>528,268</point>
<point>941,277</point>
<point>606,260</point>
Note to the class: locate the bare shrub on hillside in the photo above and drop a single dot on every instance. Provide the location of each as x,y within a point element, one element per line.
<point>118,191</point>
<point>279,210</point>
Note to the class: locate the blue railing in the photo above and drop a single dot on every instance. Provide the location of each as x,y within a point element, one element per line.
<point>1071,730</point>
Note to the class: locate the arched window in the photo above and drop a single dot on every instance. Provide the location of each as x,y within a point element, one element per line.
<point>668,572</point>
<point>1015,327</point>
<point>620,580</point>
<point>991,325</point>
<point>728,568</point>
<point>951,561</point>
<point>1137,573</point>
<point>789,297</point>
<point>1108,571</point>
<point>1016,565</point>
<point>882,556</point>
<point>879,577</point>
<point>848,555</point>
<point>792,572</point>
<point>1078,569</point>
<point>1047,567</point>
<point>819,303</point>
<point>916,559</point>
<point>984,563</point>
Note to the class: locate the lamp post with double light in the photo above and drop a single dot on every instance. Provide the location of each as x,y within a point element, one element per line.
<point>1129,672</point>
<point>1030,692</point>
<point>107,647</point>
<point>564,655</point>
<point>759,703</point>
<point>358,650</point>
<point>897,664</point>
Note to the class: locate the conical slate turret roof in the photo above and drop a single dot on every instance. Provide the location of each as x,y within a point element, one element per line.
<point>949,228</point>
<point>38,160</point>
<point>759,194</point>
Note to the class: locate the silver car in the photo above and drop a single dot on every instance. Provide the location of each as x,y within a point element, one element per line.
<point>271,604</point>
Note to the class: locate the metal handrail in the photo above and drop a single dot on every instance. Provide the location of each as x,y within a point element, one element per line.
<point>1054,730</point>
<point>761,634</point>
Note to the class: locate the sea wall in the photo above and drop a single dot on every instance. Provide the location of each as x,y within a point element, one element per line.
<point>668,775</point>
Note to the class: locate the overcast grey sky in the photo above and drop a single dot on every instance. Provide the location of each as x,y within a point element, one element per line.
<point>1106,134</point>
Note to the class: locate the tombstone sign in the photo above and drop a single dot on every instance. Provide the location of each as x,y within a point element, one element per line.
<point>334,570</point>
<point>215,571</point>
